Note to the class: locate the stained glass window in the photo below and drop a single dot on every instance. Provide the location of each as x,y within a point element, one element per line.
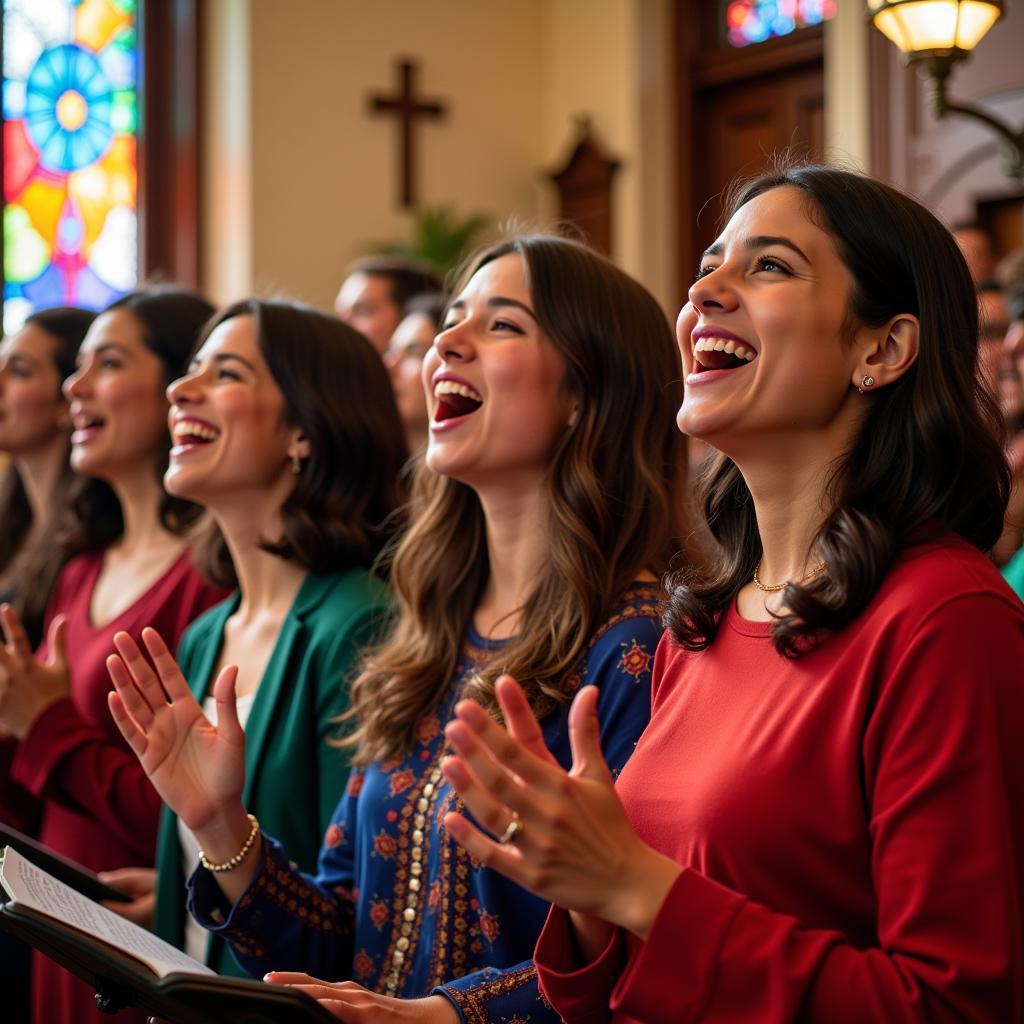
<point>70,114</point>
<point>754,21</point>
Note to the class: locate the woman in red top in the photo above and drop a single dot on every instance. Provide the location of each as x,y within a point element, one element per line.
<point>823,821</point>
<point>35,429</point>
<point>135,569</point>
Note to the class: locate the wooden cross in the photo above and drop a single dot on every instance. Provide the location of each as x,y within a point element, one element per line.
<point>407,108</point>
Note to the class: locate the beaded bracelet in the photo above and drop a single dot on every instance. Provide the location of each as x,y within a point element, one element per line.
<point>238,857</point>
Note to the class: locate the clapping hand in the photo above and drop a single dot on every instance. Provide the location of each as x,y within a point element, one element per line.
<point>563,835</point>
<point>28,687</point>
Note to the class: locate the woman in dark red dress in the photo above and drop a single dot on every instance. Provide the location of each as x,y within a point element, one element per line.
<point>822,822</point>
<point>134,569</point>
<point>35,487</point>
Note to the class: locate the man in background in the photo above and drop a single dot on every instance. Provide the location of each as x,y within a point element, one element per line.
<point>979,251</point>
<point>374,294</point>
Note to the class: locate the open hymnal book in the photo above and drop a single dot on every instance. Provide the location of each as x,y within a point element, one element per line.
<point>31,888</point>
<point>80,878</point>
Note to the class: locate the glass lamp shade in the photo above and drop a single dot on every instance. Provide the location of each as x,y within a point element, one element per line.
<point>928,28</point>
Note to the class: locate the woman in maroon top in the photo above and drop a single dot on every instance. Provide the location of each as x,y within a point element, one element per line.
<point>823,821</point>
<point>35,487</point>
<point>134,569</point>
<point>35,430</point>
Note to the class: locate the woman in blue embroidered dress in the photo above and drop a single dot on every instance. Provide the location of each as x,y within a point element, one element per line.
<point>548,502</point>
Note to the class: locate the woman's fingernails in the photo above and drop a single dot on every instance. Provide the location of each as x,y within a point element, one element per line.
<point>457,735</point>
<point>470,713</point>
<point>453,771</point>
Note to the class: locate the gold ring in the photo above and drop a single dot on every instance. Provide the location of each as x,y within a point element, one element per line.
<point>513,830</point>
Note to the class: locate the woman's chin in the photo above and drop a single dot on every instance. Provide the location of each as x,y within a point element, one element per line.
<point>692,424</point>
<point>178,485</point>
<point>86,464</point>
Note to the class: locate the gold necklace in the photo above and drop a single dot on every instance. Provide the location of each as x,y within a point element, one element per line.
<point>775,587</point>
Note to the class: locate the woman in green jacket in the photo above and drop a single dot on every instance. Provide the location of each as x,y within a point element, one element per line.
<point>285,429</point>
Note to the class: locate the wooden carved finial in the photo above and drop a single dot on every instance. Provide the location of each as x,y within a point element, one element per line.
<point>585,187</point>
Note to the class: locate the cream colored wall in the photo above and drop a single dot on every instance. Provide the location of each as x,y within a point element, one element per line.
<point>226,168</point>
<point>321,172</point>
<point>612,60</point>
<point>847,87</point>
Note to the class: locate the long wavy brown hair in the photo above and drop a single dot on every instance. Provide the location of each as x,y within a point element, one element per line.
<point>33,567</point>
<point>929,455</point>
<point>616,498</point>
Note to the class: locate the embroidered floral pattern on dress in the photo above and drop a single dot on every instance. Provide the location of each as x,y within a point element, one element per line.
<point>362,965</point>
<point>431,915</point>
<point>635,661</point>
<point>475,1003</point>
<point>384,845</point>
<point>488,924</point>
<point>401,781</point>
<point>379,914</point>
<point>427,729</point>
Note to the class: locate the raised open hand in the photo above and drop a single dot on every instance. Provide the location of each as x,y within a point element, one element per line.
<point>564,835</point>
<point>197,768</point>
<point>27,686</point>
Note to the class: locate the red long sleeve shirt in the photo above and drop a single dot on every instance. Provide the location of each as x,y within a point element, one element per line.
<point>851,823</point>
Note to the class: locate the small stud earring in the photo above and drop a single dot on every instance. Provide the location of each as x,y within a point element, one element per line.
<point>296,465</point>
<point>865,383</point>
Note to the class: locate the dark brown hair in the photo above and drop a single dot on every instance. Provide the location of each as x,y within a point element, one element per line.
<point>171,319</point>
<point>35,567</point>
<point>433,305</point>
<point>615,485</point>
<point>405,275</point>
<point>337,392</point>
<point>929,452</point>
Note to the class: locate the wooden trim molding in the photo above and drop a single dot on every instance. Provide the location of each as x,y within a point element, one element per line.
<point>169,141</point>
<point>701,64</point>
<point>722,67</point>
<point>685,16</point>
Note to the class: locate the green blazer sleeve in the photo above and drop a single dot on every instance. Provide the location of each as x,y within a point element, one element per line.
<point>294,777</point>
<point>196,656</point>
<point>350,621</point>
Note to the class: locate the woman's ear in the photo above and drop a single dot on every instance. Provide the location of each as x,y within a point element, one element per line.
<point>299,447</point>
<point>891,352</point>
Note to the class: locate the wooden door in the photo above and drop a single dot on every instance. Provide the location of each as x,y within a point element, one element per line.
<point>738,109</point>
<point>744,125</point>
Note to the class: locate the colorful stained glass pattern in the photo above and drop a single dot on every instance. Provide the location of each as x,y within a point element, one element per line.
<point>754,21</point>
<point>70,174</point>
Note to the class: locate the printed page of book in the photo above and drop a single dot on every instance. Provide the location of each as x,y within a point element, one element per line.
<point>80,878</point>
<point>31,887</point>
